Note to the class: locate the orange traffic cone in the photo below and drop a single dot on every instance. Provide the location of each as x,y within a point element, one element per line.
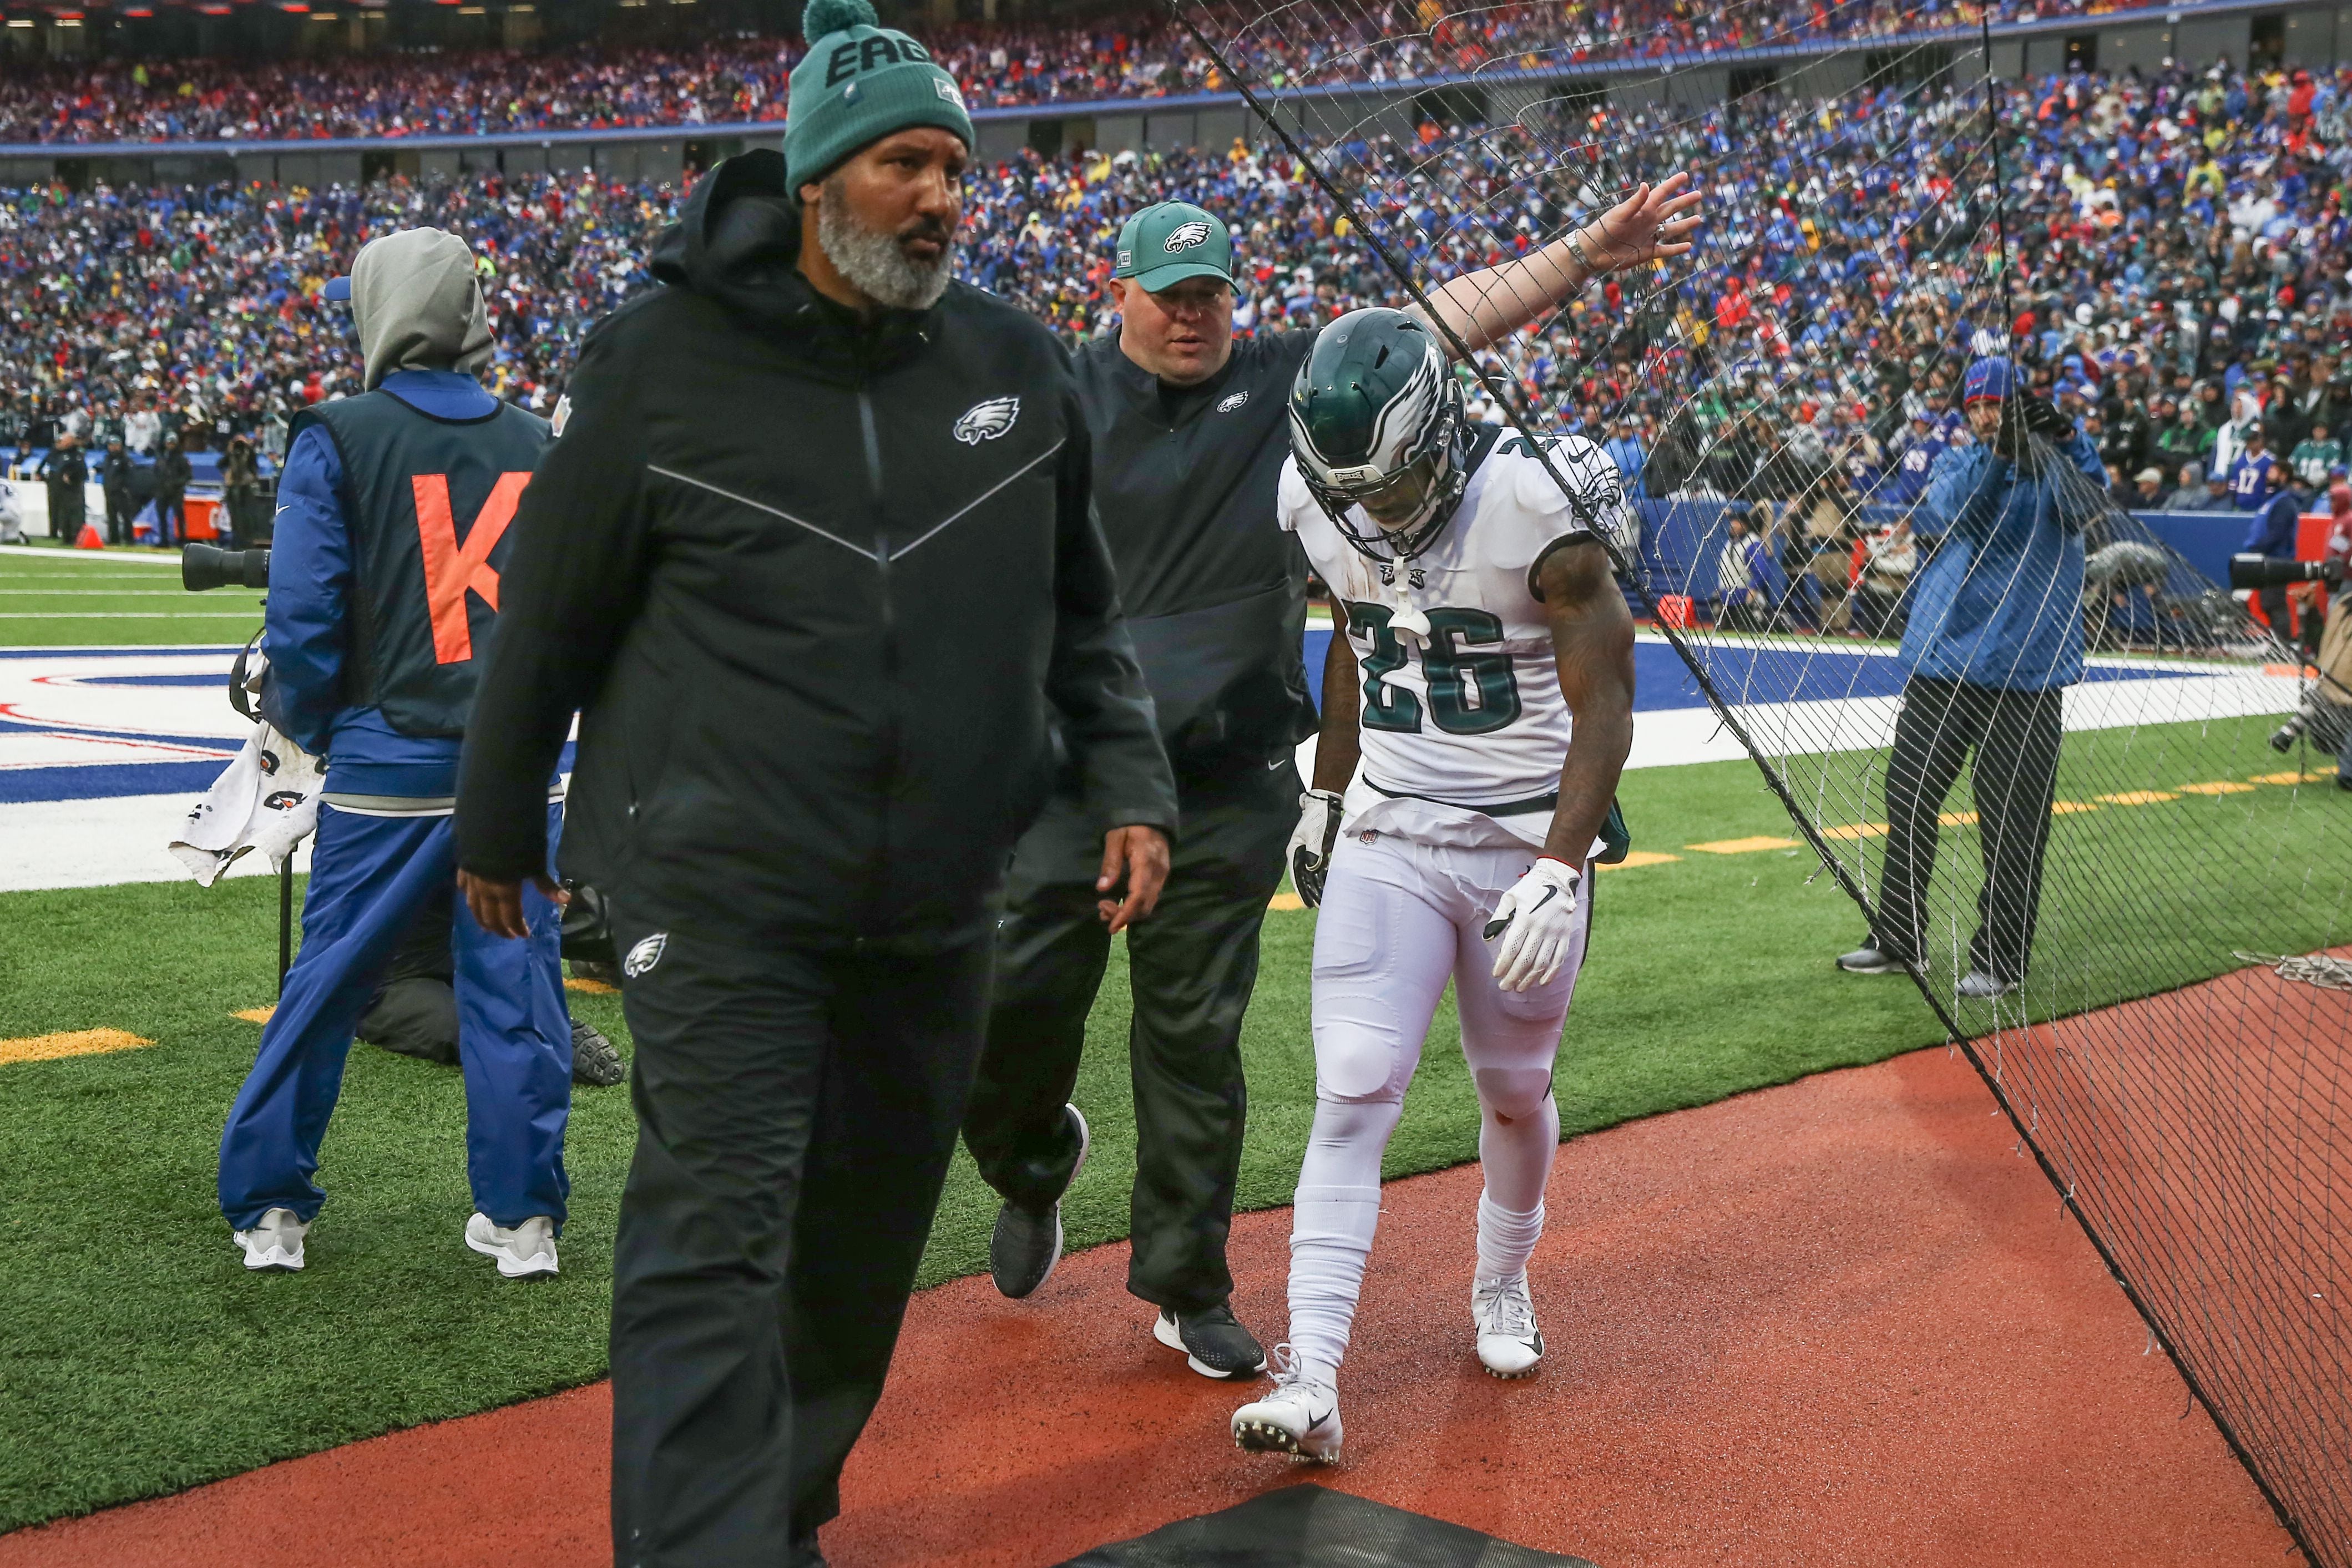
<point>89,538</point>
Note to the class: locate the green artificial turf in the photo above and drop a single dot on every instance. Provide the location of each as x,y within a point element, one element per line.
<point>139,1357</point>
<point>80,598</point>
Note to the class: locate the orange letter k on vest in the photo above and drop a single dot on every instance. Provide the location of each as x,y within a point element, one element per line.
<point>451,568</point>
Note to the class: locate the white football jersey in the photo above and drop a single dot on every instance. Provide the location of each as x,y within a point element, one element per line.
<point>1460,726</point>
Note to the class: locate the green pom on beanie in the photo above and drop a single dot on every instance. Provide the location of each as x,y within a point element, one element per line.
<point>860,82</point>
<point>822,17</point>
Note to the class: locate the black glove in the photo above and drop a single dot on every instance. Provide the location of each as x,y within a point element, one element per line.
<point>1310,843</point>
<point>2043,419</point>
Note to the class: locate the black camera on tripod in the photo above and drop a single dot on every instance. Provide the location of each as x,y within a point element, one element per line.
<point>206,566</point>
<point>2259,572</point>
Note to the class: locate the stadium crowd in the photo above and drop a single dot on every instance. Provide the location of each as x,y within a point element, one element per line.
<point>739,79</point>
<point>2181,244</point>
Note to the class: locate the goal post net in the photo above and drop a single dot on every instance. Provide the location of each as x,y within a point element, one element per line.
<point>2075,830</point>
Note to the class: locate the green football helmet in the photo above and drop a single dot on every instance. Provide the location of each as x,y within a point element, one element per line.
<point>1377,421</point>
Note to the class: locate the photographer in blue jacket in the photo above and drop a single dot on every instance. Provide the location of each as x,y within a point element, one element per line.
<point>383,594</point>
<point>1994,640</point>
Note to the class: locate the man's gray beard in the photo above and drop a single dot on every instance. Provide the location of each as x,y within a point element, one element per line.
<point>873,260</point>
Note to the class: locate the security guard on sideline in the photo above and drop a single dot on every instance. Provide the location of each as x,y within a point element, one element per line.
<point>1190,431</point>
<point>384,588</point>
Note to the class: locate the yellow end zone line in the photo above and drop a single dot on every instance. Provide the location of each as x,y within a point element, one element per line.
<point>73,1043</point>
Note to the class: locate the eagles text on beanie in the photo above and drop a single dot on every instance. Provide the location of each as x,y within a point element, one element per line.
<point>860,82</point>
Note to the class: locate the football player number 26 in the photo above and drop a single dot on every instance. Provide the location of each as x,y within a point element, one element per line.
<point>1469,693</point>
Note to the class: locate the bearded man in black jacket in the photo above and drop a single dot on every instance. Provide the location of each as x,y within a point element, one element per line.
<point>812,551</point>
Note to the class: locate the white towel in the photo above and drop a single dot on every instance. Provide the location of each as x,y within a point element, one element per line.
<point>267,799</point>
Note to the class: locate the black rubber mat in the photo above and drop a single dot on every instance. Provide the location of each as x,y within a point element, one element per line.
<point>1315,1527</point>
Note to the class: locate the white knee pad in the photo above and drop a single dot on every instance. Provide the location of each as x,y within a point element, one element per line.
<point>1513,1092</point>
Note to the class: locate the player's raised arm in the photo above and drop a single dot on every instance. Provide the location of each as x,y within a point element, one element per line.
<point>1653,224</point>
<point>1592,644</point>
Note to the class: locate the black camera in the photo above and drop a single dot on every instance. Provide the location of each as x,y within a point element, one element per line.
<point>203,567</point>
<point>2252,571</point>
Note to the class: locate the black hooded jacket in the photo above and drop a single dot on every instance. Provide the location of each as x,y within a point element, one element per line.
<point>817,583</point>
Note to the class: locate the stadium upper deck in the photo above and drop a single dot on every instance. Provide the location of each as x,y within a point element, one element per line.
<point>738,82</point>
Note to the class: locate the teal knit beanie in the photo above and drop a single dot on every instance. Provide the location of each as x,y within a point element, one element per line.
<point>860,82</point>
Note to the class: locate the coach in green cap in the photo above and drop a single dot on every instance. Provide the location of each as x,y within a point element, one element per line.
<point>813,556</point>
<point>1190,430</point>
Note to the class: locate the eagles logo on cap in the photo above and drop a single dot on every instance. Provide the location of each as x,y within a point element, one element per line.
<point>1168,242</point>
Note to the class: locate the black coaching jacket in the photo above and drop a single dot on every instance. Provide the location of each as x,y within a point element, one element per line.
<point>824,589</point>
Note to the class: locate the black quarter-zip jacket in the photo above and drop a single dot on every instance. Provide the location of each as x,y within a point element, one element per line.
<point>819,585</point>
<point>1214,590</point>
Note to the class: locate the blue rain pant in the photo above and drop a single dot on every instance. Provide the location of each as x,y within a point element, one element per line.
<point>369,877</point>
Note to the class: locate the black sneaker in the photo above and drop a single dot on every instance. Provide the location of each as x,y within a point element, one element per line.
<point>1027,1243</point>
<point>594,1062</point>
<point>1214,1342</point>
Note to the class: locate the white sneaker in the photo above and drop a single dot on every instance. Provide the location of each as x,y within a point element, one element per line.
<point>523,1253</point>
<point>1301,1417</point>
<point>1510,1344</point>
<point>275,1242</point>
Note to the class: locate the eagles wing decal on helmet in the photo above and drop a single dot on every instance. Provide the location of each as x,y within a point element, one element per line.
<point>1377,422</point>
<point>987,421</point>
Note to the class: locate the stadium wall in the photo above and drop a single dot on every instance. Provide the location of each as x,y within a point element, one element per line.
<point>2310,35</point>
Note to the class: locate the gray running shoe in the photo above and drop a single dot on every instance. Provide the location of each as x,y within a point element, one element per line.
<point>1027,1243</point>
<point>1868,961</point>
<point>1214,1342</point>
<point>1976,986</point>
<point>594,1062</point>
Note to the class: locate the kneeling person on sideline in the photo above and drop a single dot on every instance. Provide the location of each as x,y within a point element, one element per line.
<point>1490,698</point>
<point>383,583</point>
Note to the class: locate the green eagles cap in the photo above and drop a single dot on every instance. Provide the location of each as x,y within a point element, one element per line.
<point>1162,245</point>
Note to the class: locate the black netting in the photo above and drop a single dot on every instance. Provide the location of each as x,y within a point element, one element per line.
<point>2104,739</point>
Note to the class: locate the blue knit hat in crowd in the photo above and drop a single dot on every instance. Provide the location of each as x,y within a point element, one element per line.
<point>860,82</point>
<point>1992,378</point>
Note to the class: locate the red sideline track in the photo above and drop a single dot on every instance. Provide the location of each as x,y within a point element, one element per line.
<point>1836,1322</point>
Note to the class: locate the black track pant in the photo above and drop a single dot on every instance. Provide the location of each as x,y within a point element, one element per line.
<point>1192,966</point>
<point>2015,736</point>
<point>795,1116</point>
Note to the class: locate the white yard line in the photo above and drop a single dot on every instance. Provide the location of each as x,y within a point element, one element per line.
<point>100,843</point>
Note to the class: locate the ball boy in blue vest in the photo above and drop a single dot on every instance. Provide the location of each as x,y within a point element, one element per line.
<point>383,589</point>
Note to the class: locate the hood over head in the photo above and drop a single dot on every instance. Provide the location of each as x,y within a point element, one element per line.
<point>418,305</point>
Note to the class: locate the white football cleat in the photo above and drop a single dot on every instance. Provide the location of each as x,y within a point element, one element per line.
<point>1301,1417</point>
<point>274,1242</point>
<point>1510,1344</point>
<point>523,1253</point>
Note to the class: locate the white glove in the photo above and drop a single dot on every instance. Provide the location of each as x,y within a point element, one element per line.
<point>1311,844</point>
<point>1533,919</point>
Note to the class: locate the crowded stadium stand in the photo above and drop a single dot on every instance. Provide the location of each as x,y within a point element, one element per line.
<point>2182,232</point>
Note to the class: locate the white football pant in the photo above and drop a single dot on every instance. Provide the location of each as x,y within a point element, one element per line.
<point>1399,920</point>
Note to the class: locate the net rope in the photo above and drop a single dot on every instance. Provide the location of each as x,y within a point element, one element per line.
<point>2189,1109</point>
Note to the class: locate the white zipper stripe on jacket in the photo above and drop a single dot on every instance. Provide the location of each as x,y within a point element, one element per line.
<point>758,506</point>
<point>909,548</point>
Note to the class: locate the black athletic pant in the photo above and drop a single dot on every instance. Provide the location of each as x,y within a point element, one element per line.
<point>120,511</point>
<point>796,1111</point>
<point>1192,966</point>
<point>2015,736</point>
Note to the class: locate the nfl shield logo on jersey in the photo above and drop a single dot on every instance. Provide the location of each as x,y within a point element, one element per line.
<point>987,421</point>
